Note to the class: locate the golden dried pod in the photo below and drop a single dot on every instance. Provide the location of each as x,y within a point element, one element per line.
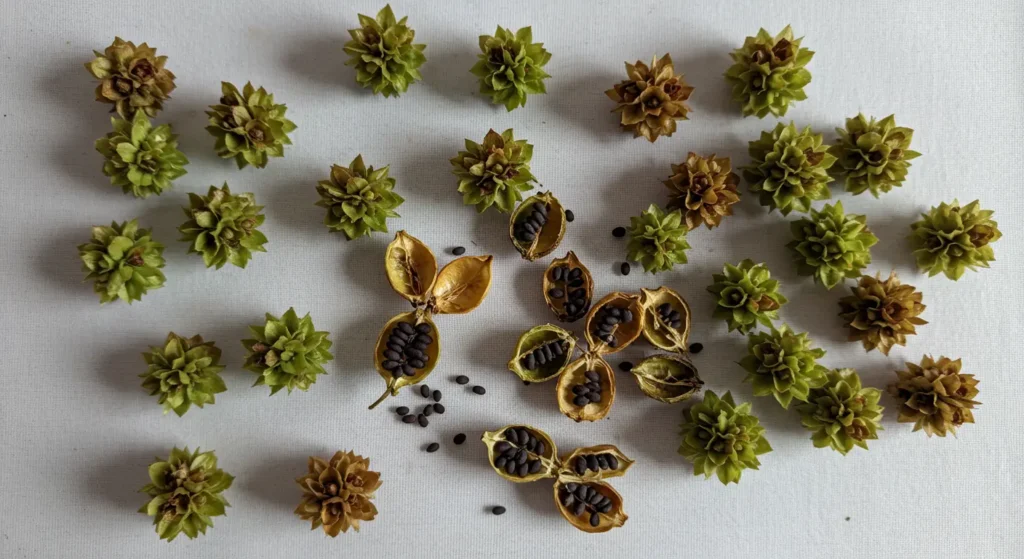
<point>542,352</point>
<point>537,226</point>
<point>591,506</point>
<point>667,378</point>
<point>568,288</point>
<point>407,350</point>
<point>614,322</point>
<point>666,319</point>
<point>521,453</point>
<point>412,271</point>
<point>586,389</point>
<point>461,285</point>
<point>595,463</point>
<point>410,267</point>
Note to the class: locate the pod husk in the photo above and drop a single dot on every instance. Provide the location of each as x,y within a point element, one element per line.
<point>549,460</point>
<point>667,378</point>
<point>550,235</point>
<point>534,338</point>
<point>461,285</point>
<point>569,461</point>
<point>659,334</point>
<point>573,375</point>
<point>433,353</point>
<point>613,519</point>
<point>627,333</point>
<point>558,307</point>
<point>411,268</point>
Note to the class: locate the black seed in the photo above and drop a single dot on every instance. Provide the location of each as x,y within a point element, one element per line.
<point>602,461</point>
<point>498,510</point>
<point>556,273</point>
<point>460,438</point>
<point>408,371</point>
<point>556,348</point>
<point>664,308</point>
<point>462,379</point>
<point>395,347</point>
<point>575,273</point>
<point>625,366</point>
<point>581,401</point>
<point>568,500</point>
<point>524,437</point>
<point>569,216</point>
<point>425,391</point>
<point>438,408</point>
<point>424,338</point>
<point>624,268</point>
<point>605,328</point>
<point>511,454</point>
<point>512,436</point>
<point>581,491</point>
<point>676,324</point>
<point>541,447</point>
<point>696,347</point>
<point>619,232</point>
<point>459,251</point>
<point>593,387</point>
<point>605,508</point>
<point>591,492</point>
<point>502,446</point>
<point>592,462</point>
<point>530,362</point>
<point>527,236</point>
<point>391,365</point>
<point>570,487</point>
<point>592,375</point>
<point>534,466</point>
<point>423,328</point>
<point>581,465</point>
<point>594,397</point>
<point>392,355</point>
<point>526,383</point>
<point>397,337</point>
<point>436,395</point>
<point>417,363</point>
<point>613,462</point>
<point>409,418</point>
<point>570,309</point>
<point>556,293</point>
<point>422,420</point>
<point>510,467</point>
<point>613,311</point>
<point>595,519</point>
<point>432,447</point>
<point>595,498</point>
<point>428,411</point>
<point>406,327</point>
<point>578,282</point>
<point>538,354</point>
<point>627,316</point>
<point>414,353</point>
<point>548,355</point>
<point>402,410</point>
<point>530,227</point>
<point>500,461</point>
<point>479,390</point>
<point>523,469</point>
<point>580,509</point>
<point>580,389</point>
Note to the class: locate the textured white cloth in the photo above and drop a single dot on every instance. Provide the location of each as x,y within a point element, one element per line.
<point>77,431</point>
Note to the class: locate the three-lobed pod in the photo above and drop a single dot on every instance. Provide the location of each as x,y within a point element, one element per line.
<point>409,346</point>
<point>521,454</point>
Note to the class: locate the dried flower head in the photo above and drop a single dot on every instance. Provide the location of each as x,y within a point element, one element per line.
<point>123,261</point>
<point>337,493</point>
<point>841,414</point>
<point>651,99</point>
<point>935,396</point>
<point>132,78</point>
<point>358,199</point>
<point>830,245</point>
<point>704,188</point>
<point>746,296</point>
<point>223,227</point>
<point>249,126</point>
<point>881,314</point>
<point>287,352</point>
<point>768,73</point>
<point>186,492</point>
<point>183,372</point>
<point>494,173</point>
<point>874,154</point>
<point>141,159</point>
<point>657,239</point>
<point>722,438</point>
<point>952,239</point>
<point>789,169</point>
<point>783,363</point>
<point>511,67</point>
<point>383,53</point>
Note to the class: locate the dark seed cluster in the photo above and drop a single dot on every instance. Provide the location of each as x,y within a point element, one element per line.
<point>607,320</point>
<point>669,315</point>
<point>585,500</point>
<point>595,462</point>
<point>544,354</point>
<point>428,410</point>
<point>528,227</point>
<point>519,454</point>
<point>569,286</point>
<point>406,349</point>
<point>589,391</point>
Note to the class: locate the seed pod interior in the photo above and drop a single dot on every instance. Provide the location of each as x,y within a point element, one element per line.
<point>614,323</point>
<point>592,507</point>
<point>407,350</point>
<point>542,352</point>
<point>568,288</point>
<point>462,285</point>
<point>586,389</point>
<point>595,463</point>
<point>666,319</point>
<point>667,378</point>
<point>537,226</point>
<point>410,267</point>
<point>521,453</point>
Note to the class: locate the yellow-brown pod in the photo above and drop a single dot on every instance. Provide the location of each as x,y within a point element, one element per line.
<point>586,389</point>
<point>568,288</point>
<point>625,311</point>
<point>574,496</point>
<point>595,463</point>
<point>666,319</point>
<point>521,453</point>
<point>532,241</point>
<point>667,378</point>
<point>410,267</point>
<point>461,285</point>
<point>542,352</point>
<point>420,346</point>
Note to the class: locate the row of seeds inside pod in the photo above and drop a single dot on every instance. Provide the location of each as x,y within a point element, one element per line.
<point>406,349</point>
<point>519,454</point>
<point>582,499</point>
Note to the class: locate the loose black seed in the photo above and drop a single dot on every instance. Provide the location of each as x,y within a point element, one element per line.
<point>595,519</point>
<point>498,510</point>
<point>438,408</point>
<point>479,390</point>
<point>459,251</point>
<point>613,462</point>
<point>436,395</point>
<point>625,366</point>
<point>534,466</point>
<point>462,379</point>
<point>581,401</point>
<point>409,419</point>
<point>402,410</point>
<point>423,421</point>
<point>406,327</point>
<point>619,232</point>
<point>500,461</point>
<point>556,293</point>
<point>432,447</point>
<point>696,347</point>
<point>624,268</point>
<point>460,438</point>
<point>592,462</point>
<point>428,411</point>
<point>425,391</point>
<point>569,216</point>
<point>526,383</point>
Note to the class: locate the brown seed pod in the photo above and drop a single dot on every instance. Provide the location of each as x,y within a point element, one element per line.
<point>586,389</point>
<point>592,506</point>
<point>521,453</point>
<point>613,323</point>
<point>537,226</point>
<point>536,357</point>
<point>568,288</point>
<point>390,344</point>
<point>667,378</point>
<point>410,267</point>
<point>595,463</point>
<point>666,319</point>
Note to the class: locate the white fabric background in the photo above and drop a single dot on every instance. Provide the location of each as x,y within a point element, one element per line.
<point>77,431</point>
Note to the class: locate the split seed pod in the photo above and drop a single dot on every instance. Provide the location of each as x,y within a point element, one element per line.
<point>667,378</point>
<point>537,339</point>
<point>537,226</point>
<point>515,446</point>
<point>568,288</point>
<point>666,319</point>
<point>409,345</point>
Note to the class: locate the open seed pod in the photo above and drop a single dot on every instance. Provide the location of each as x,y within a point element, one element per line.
<point>666,319</point>
<point>407,350</point>
<point>591,506</point>
<point>411,268</point>
<point>613,323</point>
<point>667,378</point>
<point>568,288</point>
<point>595,463</point>
<point>586,389</point>
<point>521,453</point>
<point>537,226</point>
<point>542,352</point>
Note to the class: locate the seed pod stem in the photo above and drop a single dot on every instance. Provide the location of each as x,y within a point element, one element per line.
<point>390,391</point>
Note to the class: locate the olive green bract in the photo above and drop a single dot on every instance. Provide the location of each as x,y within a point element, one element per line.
<point>183,372</point>
<point>952,239</point>
<point>287,352</point>
<point>783,363</point>
<point>789,168</point>
<point>383,53</point>
<point>936,395</point>
<point>186,492</point>
<point>722,438</point>
<point>511,67</point>
<point>841,414</point>
<point>830,245</point>
<point>123,261</point>
<point>249,127</point>
<point>768,73</point>
<point>495,173</point>
<point>142,160</point>
<point>874,154</point>
<point>132,78</point>
<point>223,226</point>
<point>358,199</point>
<point>746,296</point>
<point>657,240</point>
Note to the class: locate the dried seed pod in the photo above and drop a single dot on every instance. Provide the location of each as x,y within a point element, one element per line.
<point>568,288</point>
<point>399,352</point>
<point>667,378</point>
<point>666,319</point>
<point>461,285</point>
<point>537,226</point>
<point>593,507</point>
<point>595,463</point>
<point>586,389</point>
<point>537,358</point>
<point>521,453</point>
<point>613,323</point>
<point>410,267</point>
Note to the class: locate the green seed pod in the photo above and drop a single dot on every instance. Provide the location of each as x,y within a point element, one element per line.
<point>141,159</point>
<point>249,126</point>
<point>830,245</point>
<point>657,240</point>
<point>123,261</point>
<point>952,239</point>
<point>768,73</point>
<point>789,168</point>
<point>287,352</point>
<point>746,296</point>
<point>537,338</point>
<point>383,53</point>
<point>511,67</point>
<point>223,227</point>
<point>667,378</point>
<point>494,173</point>
<point>783,363</point>
<point>722,438</point>
<point>185,493</point>
<point>183,372</point>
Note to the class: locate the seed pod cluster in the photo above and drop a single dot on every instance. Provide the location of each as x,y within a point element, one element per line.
<point>537,226</point>
<point>521,453</point>
<point>568,288</point>
<point>668,378</point>
<point>409,346</point>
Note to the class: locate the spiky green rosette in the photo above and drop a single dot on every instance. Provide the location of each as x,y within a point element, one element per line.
<point>183,372</point>
<point>746,296</point>
<point>657,240</point>
<point>952,239</point>
<point>222,227</point>
<point>249,126</point>
<point>186,492</point>
<point>830,245</point>
<point>287,352</point>
<point>768,73</point>
<point>783,363</point>
<point>359,200</point>
<point>874,154</point>
<point>722,438</point>
<point>841,414</point>
<point>495,173</point>
<point>123,261</point>
<point>511,67</point>
<point>142,160</point>
<point>132,78</point>
<point>383,53</point>
<point>789,169</point>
